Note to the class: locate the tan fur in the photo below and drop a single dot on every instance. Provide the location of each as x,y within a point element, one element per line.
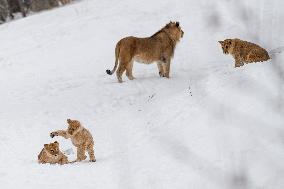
<point>80,137</point>
<point>51,154</point>
<point>243,51</point>
<point>157,48</point>
<point>64,2</point>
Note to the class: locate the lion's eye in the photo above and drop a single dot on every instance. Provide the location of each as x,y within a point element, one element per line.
<point>52,151</point>
<point>226,46</point>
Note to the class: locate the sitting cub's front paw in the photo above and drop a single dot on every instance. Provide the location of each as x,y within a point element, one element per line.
<point>53,134</point>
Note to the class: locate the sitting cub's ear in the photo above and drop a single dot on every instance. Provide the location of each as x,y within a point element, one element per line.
<point>56,142</point>
<point>68,120</point>
<point>45,145</point>
<point>221,42</point>
<point>177,24</point>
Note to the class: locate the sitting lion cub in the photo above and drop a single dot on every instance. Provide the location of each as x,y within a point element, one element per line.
<point>51,154</point>
<point>80,137</point>
<point>243,51</point>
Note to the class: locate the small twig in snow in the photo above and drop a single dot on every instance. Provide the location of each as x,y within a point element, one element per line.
<point>151,97</point>
<point>189,88</point>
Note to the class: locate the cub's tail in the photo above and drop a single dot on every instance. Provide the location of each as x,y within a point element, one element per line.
<point>117,51</point>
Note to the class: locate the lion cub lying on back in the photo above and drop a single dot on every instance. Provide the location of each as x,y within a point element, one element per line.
<point>51,154</point>
<point>80,137</point>
<point>243,51</point>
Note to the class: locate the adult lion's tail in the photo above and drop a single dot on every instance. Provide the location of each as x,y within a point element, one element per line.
<point>117,50</point>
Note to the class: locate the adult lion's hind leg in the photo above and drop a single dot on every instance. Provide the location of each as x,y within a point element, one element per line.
<point>120,71</point>
<point>123,65</point>
<point>129,68</point>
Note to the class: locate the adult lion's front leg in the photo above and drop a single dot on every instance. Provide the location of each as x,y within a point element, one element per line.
<point>161,69</point>
<point>167,67</point>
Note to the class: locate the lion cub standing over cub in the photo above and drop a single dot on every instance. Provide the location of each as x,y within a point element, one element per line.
<point>80,137</point>
<point>51,154</point>
<point>243,51</point>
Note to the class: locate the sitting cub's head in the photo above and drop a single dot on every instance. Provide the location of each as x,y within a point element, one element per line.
<point>226,46</point>
<point>52,148</point>
<point>74,125</point>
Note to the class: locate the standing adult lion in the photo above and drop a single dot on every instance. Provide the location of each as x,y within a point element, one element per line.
<point>158,48</point>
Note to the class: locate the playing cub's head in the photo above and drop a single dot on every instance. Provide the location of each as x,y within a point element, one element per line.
<point>52,148</point>
<point>174,30</point>
<point>73,126</point>
<point>226,45</point>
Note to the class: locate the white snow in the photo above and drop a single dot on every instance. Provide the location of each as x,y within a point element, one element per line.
<point>208,126</point>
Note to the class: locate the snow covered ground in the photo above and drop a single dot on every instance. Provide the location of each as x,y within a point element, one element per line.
<point>209,126</point>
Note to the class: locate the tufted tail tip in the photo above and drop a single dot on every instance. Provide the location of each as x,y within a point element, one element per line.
<point>108,72</point>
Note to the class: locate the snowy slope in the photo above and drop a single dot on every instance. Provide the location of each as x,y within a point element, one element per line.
<point>209,126</point>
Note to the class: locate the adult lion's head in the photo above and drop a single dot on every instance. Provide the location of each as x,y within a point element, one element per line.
<point>174,30</point>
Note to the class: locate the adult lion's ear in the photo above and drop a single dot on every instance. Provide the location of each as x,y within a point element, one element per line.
<point>177,24</point>
<point>45,145</point>
<point>221,42</point>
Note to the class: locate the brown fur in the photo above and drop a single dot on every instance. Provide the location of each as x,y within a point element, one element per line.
<point>80,137</point>
<point>157,48</point>
<point>51,154</point>
<point>243,51</point>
